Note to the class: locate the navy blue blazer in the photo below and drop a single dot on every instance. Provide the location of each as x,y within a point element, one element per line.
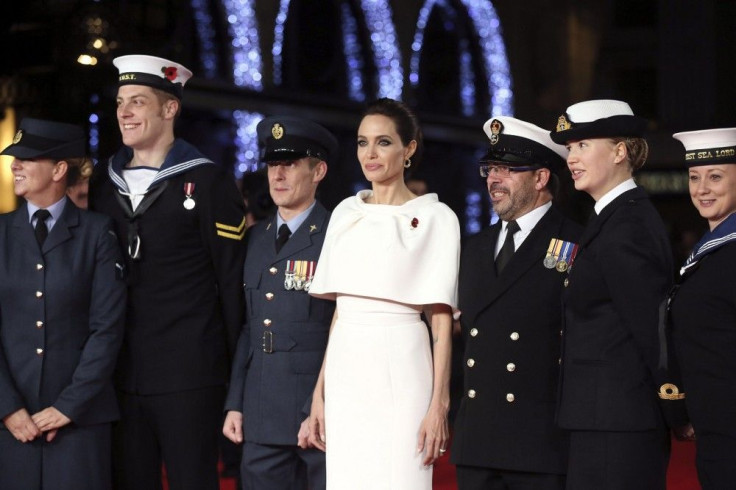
<point>61,316</point>
<point>610,367</point>
<point>273,389</point>
<point>511,330</point>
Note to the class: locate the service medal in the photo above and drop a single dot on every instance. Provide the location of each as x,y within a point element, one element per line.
<point>299,275</point>
<point>549,259</point>
<point>289,279</point>
<point>561,266</point>
<point>188,191</point>
<point>310,274</point>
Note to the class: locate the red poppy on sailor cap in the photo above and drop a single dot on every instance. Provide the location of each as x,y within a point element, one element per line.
<point>152,71</point>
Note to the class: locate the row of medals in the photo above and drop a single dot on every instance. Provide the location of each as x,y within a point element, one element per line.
<point>560,255</point>
<point>299,274</point>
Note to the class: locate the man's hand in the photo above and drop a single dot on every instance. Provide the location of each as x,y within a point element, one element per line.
<point>233,426</point>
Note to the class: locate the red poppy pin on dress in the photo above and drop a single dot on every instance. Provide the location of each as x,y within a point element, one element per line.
<point>414,223</point>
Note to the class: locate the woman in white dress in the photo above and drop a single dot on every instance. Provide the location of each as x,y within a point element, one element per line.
<point>380,405</point>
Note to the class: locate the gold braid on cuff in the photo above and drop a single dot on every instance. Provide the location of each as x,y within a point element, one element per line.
<point>668,391</point>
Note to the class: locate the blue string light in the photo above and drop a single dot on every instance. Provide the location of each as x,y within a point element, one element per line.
<point>498,73</point>
<point>247,72</point>
<point>206,35</point>
<point>385,47</point>
<point>278,40</point>
<point>353,58</point>
<point>94,129</point>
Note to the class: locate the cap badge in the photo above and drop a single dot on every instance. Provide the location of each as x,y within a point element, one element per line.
<point>170,72</point>
<point>277,131</point>
<point>18,136</point>
<point>563,124</point>
<point>496,129</point>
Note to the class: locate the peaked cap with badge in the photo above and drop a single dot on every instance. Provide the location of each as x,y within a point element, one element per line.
<point>160,73</point>
<point>516,142</point>
<point>708,146</point>
<point>602,118</point>
<point>39,138</point>
<point>291,138</point>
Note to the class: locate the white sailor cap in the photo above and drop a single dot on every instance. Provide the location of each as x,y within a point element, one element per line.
<point>602,118</point>
<point>517,142</point>
<point>708,146</point>
<point>160,73</point>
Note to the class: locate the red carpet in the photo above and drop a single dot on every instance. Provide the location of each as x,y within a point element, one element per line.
<point>681,474</point>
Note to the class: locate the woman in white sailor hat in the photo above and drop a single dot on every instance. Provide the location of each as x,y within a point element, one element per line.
<point>703,306</point>
<point>610,366</point>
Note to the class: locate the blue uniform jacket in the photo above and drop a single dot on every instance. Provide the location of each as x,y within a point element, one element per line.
<point>273,389</point>
<point>61,316</point>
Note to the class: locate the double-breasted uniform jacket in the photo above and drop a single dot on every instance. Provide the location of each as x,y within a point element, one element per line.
<point>284,338</point>
<point>703,319</point>
<point>511,328</point>
<point>611,373</point>
<point>61,316</point>
<point>185,301</point>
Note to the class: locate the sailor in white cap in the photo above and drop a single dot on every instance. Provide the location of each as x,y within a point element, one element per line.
<point>511,318</point>
<point>614,390</point>
<point>181,222</point>
<point>703,306</point>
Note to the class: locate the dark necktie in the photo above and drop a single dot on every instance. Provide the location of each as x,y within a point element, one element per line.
<point>42,231</point>
<point>507,249</point>
<point>284,234</point>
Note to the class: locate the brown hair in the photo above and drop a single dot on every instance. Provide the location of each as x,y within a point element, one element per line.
<point>77,169</point>
<point>163,97</point>
<point>637,150</point>
<point>407,125</point>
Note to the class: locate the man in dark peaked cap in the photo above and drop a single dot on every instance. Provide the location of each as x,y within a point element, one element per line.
<point>510,284</point>
<point>181,222</point>
<point>284,337</point>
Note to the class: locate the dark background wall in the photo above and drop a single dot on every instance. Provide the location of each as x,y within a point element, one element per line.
<point>673,61</point>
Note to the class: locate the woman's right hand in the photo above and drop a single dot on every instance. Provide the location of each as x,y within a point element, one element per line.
<point>316,419</point>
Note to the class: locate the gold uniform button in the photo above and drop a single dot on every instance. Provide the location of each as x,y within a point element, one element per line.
<point>473,332</point>
<point>39,267</point>
<point>471,393</point>
<point>39,294</point>
<point>267,322</point>
<point>273,271</point>
<point>511,367</point>
<point>559,361</point>
<point>567,281</point>
<point>39,352</point>
<point>510,397</point>
<point>471,362</point>
<point>39,324</point>
<point>514,336</point>
<point>269,296</point>
<point>560,333</point>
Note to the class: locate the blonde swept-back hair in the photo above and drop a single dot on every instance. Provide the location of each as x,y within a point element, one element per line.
<point>77,169</point>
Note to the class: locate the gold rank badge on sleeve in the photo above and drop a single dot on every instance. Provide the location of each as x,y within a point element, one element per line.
<point>233,232</point>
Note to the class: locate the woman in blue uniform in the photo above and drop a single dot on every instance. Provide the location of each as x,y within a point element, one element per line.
<point>61,313</point>
<point>703,306</point>
<point>610,370</point>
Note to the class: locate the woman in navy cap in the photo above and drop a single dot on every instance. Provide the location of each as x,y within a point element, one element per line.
<point>703,306</point>
<point>613,390</point>
<point>61,313</point>
<point>388,254</point>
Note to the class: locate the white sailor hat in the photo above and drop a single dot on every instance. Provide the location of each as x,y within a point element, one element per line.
<point>160,73</point>
<point>517,142</point>
<point>602,118</point>
<point>708,146</point>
